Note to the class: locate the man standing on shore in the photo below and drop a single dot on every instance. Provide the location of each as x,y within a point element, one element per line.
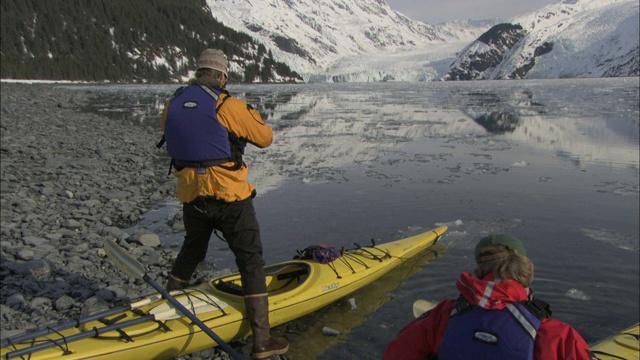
<point>206,131</point>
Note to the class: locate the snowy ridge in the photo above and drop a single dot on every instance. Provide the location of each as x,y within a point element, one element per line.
<point>572,38</point>
<point>337,40</point>
<point>367,41</point>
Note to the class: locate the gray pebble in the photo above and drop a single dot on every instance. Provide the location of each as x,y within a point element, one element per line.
<point>94,305</point>
<point>39,303</point>
<point>112,231</point>
<point>34,241</point>
<point>117,291</point>
<point>71,224</point>
<point>54,237</point>
<point>39,269</point>
<point>105,294</point>
<point>152,240</point>
<point>63,303</point>
<point>24,254</point>
<point>66,194</point>
<point>16,301</point>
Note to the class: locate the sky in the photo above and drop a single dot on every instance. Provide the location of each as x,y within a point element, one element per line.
<point>436,11</point>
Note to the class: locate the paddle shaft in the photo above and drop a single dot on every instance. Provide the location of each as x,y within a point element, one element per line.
<point>132,267</point>
<point>63,341</point>
<point>192,317</point>
<point>73,323</point>
<point>76,323</point>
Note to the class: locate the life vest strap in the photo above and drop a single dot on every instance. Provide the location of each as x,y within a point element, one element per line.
<point>237,148</point>
<point>538,308</point>
<point>461,306</point>
<point>520,317</point>
<point>210,92</point>
<point>161,142</point>
<point>180,164</point>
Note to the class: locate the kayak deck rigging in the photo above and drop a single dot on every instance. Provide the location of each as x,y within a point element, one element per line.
<point>153,327</point>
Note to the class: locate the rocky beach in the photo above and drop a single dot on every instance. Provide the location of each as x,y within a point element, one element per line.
<point>71,180</point>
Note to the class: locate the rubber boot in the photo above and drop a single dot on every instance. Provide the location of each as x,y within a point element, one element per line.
<point>173,283</point>
<point>264,345</point>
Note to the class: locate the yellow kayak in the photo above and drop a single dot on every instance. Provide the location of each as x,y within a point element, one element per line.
<point>623,345</point>
<point>153,329</point>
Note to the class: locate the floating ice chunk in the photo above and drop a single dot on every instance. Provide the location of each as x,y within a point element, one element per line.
<point>352,302</point>
<point>327,331</point>
<point>456,223</point>
<point>577,294</point>
<point>520,164</point>
<point>607,236</point>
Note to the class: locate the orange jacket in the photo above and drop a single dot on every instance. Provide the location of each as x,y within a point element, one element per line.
<point>223,184</point>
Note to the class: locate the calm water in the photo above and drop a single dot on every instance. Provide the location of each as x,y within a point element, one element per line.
<point>554,162</point>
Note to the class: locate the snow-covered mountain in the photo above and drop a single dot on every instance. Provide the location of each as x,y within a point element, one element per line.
<point>345,40</point>
<point>571,38</point>
<point>366,40</point>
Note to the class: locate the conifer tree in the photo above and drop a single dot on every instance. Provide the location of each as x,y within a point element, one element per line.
<point>120,40</point>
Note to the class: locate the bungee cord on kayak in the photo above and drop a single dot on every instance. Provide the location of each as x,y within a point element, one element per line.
<point>295,288</point>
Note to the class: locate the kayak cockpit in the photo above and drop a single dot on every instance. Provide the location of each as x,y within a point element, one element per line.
<point>280,279</point>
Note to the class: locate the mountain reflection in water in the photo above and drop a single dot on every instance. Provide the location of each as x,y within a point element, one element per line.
<point>323,120</point>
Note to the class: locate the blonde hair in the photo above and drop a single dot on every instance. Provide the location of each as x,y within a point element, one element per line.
<point>504,263</point>
<point>208,77</point>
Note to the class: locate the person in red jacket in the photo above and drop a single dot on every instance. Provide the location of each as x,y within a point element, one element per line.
<point>495,317</point>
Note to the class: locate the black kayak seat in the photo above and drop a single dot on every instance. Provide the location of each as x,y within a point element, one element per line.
<point>280,271</point>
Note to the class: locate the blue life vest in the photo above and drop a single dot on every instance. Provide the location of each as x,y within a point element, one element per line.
<point>192,130</point>
<point>477,333</point>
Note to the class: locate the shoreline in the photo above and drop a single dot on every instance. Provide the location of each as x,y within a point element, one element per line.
<point>69,181</point>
